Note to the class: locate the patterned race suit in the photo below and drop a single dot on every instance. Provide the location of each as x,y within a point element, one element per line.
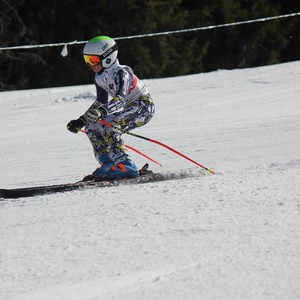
<point>132,107</point>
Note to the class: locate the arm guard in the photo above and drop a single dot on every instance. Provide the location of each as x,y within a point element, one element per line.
<point>102,95</point>
<point>123,82</point>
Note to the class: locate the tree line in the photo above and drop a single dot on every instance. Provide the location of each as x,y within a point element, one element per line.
<point>24,22</point>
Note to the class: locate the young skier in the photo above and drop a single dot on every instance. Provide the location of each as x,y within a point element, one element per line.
<point>122,100</point>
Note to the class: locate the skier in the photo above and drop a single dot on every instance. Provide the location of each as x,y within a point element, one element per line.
<point>122,101</point>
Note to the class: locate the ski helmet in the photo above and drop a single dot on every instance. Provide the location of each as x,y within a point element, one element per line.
<point>100,49</point>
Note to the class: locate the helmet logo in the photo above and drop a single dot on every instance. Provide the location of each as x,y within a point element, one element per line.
<point>109,51</point>
<point>105,46</point>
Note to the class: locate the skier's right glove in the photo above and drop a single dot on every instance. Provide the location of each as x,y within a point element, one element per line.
<point>75,125</point>
<point>93,115</point>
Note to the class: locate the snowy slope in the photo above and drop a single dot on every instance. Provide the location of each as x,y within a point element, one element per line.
<point>234,235</point>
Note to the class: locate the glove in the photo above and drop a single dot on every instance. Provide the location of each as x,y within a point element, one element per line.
<point>93,115</point>
<point>75,125</point>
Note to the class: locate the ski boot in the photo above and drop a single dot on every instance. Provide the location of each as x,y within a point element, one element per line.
<point>106,164</point>
<point>101,173</point>
<point>124,169</point>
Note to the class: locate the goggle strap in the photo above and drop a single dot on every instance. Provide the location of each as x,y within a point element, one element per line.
<point>109,51</point>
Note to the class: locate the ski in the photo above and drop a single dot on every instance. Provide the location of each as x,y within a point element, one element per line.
<point>145,176</point>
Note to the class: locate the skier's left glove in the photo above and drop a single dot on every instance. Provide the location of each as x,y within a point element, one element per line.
<point>75,125</point>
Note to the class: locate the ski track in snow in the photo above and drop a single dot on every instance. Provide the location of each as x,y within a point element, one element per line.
<point>234,235</point>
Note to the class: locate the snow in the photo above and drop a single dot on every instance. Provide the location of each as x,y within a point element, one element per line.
<point>233,235</point>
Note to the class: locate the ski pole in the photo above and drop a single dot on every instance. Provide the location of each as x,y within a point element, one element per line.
<point>137,151</point>
<point>210,171</point>
<point>143,154</point>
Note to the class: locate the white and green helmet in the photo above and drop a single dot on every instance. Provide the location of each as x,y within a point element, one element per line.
<point>104,47</point>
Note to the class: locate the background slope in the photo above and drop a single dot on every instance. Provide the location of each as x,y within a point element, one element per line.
<point>234,235</point>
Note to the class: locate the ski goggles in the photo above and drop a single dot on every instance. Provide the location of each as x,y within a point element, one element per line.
<point>92,60</point>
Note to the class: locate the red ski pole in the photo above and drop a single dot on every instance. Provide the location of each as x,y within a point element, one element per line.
<point>143,154</point>
<point>137,151</point>
<point>210,171</point>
